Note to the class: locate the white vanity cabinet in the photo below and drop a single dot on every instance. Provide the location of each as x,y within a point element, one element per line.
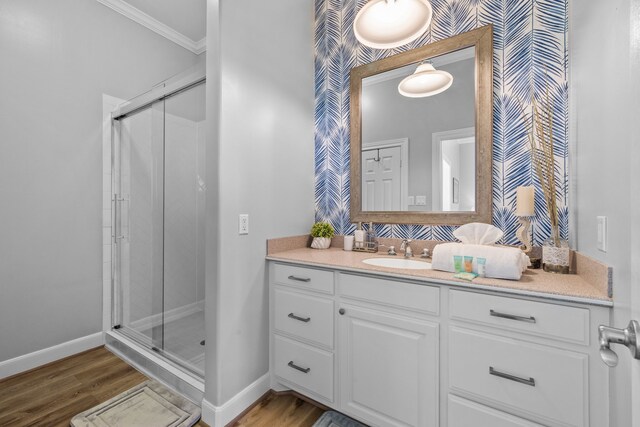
<point>388,357</point>
<point>531,359</point>
<point>391,351</point>
<point>302,325</point>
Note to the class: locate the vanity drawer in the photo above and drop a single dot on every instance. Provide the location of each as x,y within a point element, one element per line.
<point>305,316</point>
<point>401,295</point>
<point>305,366</point>
<point>528,379</point>
<point>464,413</point>
<point>304,278</point>
<point>559,322</point>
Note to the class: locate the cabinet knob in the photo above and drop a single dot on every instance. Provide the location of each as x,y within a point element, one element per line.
<point>342,311</point>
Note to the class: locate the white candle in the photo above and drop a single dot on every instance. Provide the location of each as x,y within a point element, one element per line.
<point>525,201</point>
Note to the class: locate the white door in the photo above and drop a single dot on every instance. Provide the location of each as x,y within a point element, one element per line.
<point>635,278</point>
<point>625,369</point>
<point>381,179</point>
<point>446,185</point>
<point>388,368</point>
<point>635,368</point>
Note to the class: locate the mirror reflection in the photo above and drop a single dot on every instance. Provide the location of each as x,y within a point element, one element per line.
<point>418,140</point>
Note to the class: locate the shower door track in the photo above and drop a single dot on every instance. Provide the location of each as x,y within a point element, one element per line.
<point>159,92</point>
<point>156,366</point>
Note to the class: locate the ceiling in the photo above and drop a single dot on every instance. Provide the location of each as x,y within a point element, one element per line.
<point>181,21</point>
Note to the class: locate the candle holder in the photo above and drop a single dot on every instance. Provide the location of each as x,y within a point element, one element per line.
<point>523,234</point>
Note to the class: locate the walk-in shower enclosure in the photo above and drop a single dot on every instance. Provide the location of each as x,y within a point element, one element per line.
<point>157,229</point>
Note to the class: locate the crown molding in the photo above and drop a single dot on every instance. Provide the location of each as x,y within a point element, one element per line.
<point>405,71</point>
<point>201,46</point>
<point>156,26</point>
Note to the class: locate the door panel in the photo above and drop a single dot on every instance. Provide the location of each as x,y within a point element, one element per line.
<point>388,368</point>
<point>139,224</point>
<point>184,200</point>
<point>381,179</point>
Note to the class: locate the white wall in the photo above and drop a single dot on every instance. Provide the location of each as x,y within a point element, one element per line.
<point>262,129</point>
<point>604,114</point>
<point>58,58</point>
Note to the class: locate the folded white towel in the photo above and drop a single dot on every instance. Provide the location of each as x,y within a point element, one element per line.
<point>478,233</point>
<point>502,262</point>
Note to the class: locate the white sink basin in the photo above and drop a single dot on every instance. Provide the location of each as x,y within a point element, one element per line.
<point>407,264</point>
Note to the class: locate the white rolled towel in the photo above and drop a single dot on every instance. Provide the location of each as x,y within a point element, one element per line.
<point>502,262</point>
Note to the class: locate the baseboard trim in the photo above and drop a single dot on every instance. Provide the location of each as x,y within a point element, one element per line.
<point>220,416</point>
<point>42,357</point>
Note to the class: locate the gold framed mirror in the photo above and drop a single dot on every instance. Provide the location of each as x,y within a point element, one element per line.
<point>424,155</point>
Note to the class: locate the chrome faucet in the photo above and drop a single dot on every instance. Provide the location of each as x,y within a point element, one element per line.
<point>406,246</point>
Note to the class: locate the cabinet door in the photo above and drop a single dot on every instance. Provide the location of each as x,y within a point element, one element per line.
<point>388,368</point>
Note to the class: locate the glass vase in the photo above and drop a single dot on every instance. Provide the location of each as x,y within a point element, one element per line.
<point>556,254</point>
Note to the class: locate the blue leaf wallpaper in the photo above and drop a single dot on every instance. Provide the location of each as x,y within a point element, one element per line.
<point>529,58</point>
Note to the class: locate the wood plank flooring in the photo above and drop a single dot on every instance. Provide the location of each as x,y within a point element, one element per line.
<point>53,394</point>
<point>281,410</point>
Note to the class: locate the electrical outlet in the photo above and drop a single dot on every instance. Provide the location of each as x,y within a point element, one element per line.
<point>243,224</point>
<point>421,200</point>
<point>602,233</point>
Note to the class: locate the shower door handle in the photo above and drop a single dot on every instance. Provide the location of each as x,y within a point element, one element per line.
<point>117,233</point>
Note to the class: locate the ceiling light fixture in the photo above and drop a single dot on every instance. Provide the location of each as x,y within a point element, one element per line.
<point>385,24</point>
<point>425,81</point>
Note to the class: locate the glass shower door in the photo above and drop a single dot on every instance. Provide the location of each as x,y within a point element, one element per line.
<point>139,228</point>
<point>159,226</point>
<point>184,201</point>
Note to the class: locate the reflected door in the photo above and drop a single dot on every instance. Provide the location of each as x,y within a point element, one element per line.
<point>382,179</point>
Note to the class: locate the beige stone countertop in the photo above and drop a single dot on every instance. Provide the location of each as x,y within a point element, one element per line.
<point>537,283</point>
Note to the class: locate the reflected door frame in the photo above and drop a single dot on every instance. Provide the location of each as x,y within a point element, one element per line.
<point>403,143</point>
<point>437,139</point>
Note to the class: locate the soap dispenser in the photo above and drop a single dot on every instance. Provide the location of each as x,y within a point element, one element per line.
<point>372,241</point>
<point>359,237</point>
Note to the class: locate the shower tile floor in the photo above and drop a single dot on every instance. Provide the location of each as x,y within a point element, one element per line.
<point>182,339</point>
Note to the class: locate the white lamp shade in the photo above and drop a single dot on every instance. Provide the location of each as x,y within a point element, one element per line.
<point>425,81</point>
<point>385,24</point>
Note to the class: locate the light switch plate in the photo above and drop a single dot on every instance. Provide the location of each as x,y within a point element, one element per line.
<point>602,233</point>
<point>243,224</point>
<point>411,200</point>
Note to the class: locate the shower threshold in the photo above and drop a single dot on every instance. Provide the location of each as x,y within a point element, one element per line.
<point>155,366</point>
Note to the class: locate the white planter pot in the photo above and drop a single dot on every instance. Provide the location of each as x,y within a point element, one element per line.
<point>321,243</point>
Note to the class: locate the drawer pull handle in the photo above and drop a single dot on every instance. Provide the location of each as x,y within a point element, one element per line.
<point>529,381</point>
<point>529,319</point>
<point>300,279</point>
<point>302,319</point>
<point>294,366</point>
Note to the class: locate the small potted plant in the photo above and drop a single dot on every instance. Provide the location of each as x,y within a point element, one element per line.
<point>322,232</point>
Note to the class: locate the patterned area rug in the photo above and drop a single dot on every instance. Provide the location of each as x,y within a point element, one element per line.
<point>336,419</point>
<point>145,405</point>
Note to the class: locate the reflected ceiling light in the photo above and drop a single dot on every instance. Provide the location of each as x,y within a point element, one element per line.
<point>425,81</point>
<point>385,24</point>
